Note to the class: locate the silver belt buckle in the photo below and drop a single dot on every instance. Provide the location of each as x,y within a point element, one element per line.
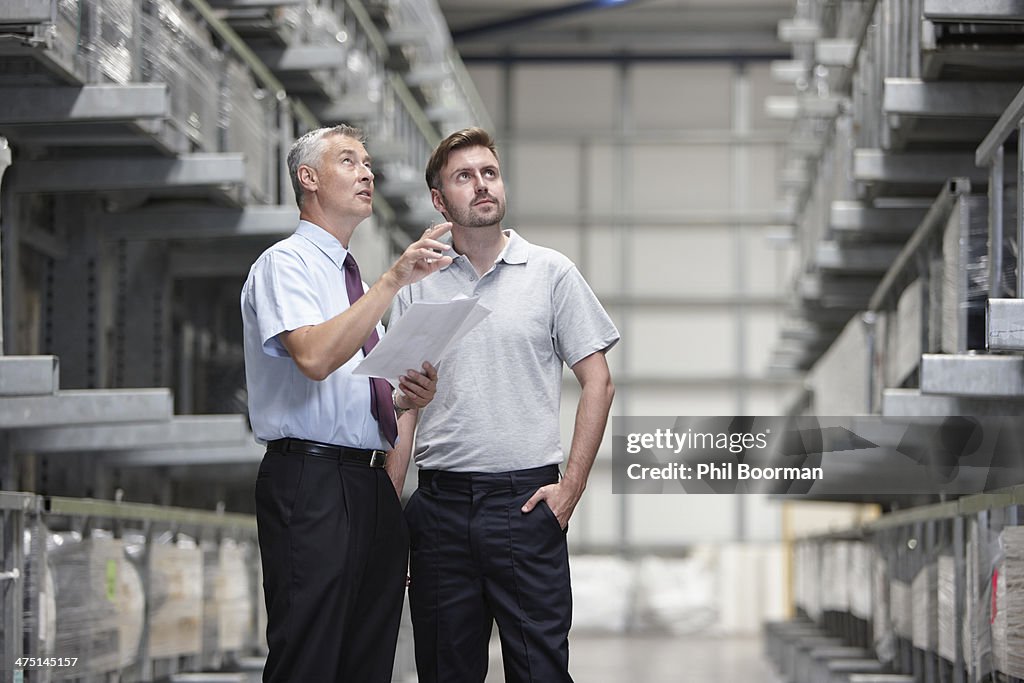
<point>377,458</point>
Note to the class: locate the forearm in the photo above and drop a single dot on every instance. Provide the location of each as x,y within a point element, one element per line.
<point>321,349</point>
<point>591,418</point>
<point>397,465</point>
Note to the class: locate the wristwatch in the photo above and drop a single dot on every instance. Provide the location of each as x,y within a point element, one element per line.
<point>394,399</point>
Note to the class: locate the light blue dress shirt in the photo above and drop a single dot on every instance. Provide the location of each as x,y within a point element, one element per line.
<point>297,282</point>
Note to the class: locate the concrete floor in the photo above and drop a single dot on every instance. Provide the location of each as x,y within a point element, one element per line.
<point>643,659</point>
<point>659,659</point>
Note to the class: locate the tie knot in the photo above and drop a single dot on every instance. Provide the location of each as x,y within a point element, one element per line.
<point>350,262</point>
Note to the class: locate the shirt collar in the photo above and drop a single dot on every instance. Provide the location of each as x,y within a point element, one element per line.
<point>324,241</point>
<point>516,251</point>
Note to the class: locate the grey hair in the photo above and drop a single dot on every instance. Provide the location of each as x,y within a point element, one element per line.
<point>309,149</point>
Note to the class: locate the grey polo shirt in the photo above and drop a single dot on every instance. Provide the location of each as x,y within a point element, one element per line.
<point>499,387</point>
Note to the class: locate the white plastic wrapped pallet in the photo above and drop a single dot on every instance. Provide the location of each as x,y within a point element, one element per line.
<point>99,603</point>
<point>1008,619</point>
<point>175,600</point>
<point>900,610</point>
<point>178,50</point>
<point>233,596</point>
<point>603,589</point>
<point>884,637</point>
<point>924,594</point>
<point>860,580</point>
<point>946,574</point>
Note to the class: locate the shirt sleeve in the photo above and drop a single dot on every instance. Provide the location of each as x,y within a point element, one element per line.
<point>284,298</point>
<point>581,325</point>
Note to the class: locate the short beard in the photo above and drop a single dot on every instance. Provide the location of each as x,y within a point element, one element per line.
<point>468,218</point>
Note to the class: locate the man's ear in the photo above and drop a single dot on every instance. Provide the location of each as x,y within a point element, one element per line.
<point>438,200</point>
<point>307,178</point>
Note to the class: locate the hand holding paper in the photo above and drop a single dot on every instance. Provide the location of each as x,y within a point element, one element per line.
<point>423,333</point>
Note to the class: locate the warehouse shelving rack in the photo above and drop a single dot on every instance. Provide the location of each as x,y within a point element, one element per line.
<point>37,516</point>
<point>142,151</point>
<point>907,196</point>
<point>892,98</point>
<point>958,540</point>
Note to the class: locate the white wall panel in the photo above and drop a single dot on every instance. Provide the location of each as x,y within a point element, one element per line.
<point>767,264</point>
<point>762,329</point>
<point>603,261</point>
<point>684,262</point>
<point>596,519</point>
<point>545,178</point>
<point>564,239</point>
<point>761,517</point>
<point>564,97</point>
<point>681,519</point>
<point>764,166</point>
<point>675,96</point>
<point>770,400</point>
<point>682,402</point>
<point>601,187</point>
<point>698,343</point>
<point>488,81</point>
<point>680,178</point>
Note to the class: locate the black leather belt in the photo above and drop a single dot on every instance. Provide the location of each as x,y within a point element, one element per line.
<point>362,456</point>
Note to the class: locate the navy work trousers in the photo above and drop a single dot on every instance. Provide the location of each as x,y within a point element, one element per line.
<point>334,548</point>
<point>476,558</point>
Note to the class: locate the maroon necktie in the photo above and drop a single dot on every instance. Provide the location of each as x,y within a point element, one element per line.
<point>382,407</point>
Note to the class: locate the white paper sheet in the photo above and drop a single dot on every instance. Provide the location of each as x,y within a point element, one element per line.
<point>423,333</point>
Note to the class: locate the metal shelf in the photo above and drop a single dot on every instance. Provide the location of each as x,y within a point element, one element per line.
<point>80,407</point>
<point>186,431</point>
<point>29,375</point>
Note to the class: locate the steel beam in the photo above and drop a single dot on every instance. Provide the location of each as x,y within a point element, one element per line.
<point>239,4</point>
<point>303,58</point>
<point>211,455</point>
<point>912,403</point>
<point>1005,324</point>
<point>25,12</point>
<point>786,107</point>
<point>399,188</point>
<point>974,10</point>
<point>129,173</point>
<point>184,430</point>
<point>1008,122</point>
<point>875,165</point>
<point>348,108</point>
<point>88,103</point>
<point>788,70</point>
<point>142,512</point>
<point>914,97</point>
<point>191,263</point>
<point>798,31</point>
<point>92,406</point>
<point>855,258</point>
<point>29,375</point>
<point>971,375</point>
<point>835,52</point>
<point>855,217</point>
<point>201,222</point>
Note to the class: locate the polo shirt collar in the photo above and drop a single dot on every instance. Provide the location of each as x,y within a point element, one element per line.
<point>516,251</point>
<point>324,241</point>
